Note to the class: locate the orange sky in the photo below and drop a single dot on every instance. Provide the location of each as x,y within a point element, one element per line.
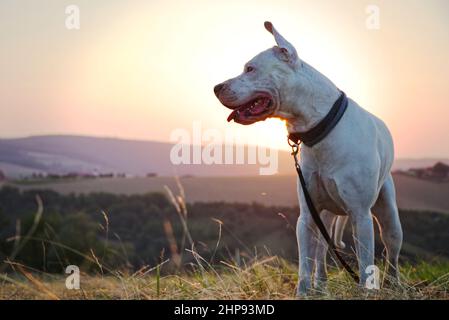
<point>141,69</point>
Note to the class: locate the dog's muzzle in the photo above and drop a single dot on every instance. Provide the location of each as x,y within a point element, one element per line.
<point>259,106</point>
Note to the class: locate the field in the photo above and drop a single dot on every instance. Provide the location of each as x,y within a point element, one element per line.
<point>230,259</point>
<point>412,193</point>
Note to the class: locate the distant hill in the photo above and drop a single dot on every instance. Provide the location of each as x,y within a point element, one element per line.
<point>65,154</point>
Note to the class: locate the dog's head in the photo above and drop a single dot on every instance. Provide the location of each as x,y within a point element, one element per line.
<point>263,87</point>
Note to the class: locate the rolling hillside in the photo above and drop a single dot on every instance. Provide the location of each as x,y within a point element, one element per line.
<point>65,154</point>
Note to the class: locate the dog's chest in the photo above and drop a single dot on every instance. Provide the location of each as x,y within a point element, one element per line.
<point>325,194</point>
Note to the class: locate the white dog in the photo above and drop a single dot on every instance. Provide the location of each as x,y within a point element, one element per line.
<point>347,173</point>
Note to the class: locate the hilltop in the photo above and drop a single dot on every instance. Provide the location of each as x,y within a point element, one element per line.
<point>64,154</point>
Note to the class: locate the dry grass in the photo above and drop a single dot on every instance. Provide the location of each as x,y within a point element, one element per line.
<point>269,278</point>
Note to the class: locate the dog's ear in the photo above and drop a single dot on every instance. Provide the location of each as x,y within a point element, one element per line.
<point>287,51</point>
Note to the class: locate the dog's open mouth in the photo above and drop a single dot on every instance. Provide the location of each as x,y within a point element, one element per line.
<point>255,110</point>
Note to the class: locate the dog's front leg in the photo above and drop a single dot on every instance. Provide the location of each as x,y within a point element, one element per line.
<point>306,234</point>
<point>363,233</point>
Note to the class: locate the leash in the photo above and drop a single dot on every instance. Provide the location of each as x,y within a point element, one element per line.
<point>316,216</point>
<point>330,121</point>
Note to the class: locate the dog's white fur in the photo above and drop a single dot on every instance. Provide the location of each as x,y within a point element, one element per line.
<point>347,173</point>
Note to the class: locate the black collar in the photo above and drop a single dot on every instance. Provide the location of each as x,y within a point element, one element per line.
<point>322,129</point>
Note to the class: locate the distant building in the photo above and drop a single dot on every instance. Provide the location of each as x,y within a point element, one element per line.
<point>2,176</point>
<point>106,175</point>
<point>440,170</point>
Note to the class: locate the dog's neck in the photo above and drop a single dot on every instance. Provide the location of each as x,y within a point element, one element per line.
<point>316,95</point>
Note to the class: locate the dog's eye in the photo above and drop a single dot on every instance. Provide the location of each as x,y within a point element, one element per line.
<point>249,69</point>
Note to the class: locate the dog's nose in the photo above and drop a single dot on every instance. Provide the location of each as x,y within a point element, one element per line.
<point>218,88</point>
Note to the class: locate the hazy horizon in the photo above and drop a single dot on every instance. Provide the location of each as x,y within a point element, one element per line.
<point>168,142</point>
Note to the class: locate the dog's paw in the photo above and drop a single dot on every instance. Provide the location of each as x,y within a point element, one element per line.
<point>303,289</point>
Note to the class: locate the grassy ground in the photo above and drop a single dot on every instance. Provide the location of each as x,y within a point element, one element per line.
<point>270,278</point>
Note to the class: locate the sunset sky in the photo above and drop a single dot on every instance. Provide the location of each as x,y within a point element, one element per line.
<point>141,69</point>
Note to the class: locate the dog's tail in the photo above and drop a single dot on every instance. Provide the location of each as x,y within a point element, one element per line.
<point>339,229</point>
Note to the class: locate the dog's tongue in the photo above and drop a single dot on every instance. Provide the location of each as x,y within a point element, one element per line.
<point>253,111</point>
<point>232,115</point>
